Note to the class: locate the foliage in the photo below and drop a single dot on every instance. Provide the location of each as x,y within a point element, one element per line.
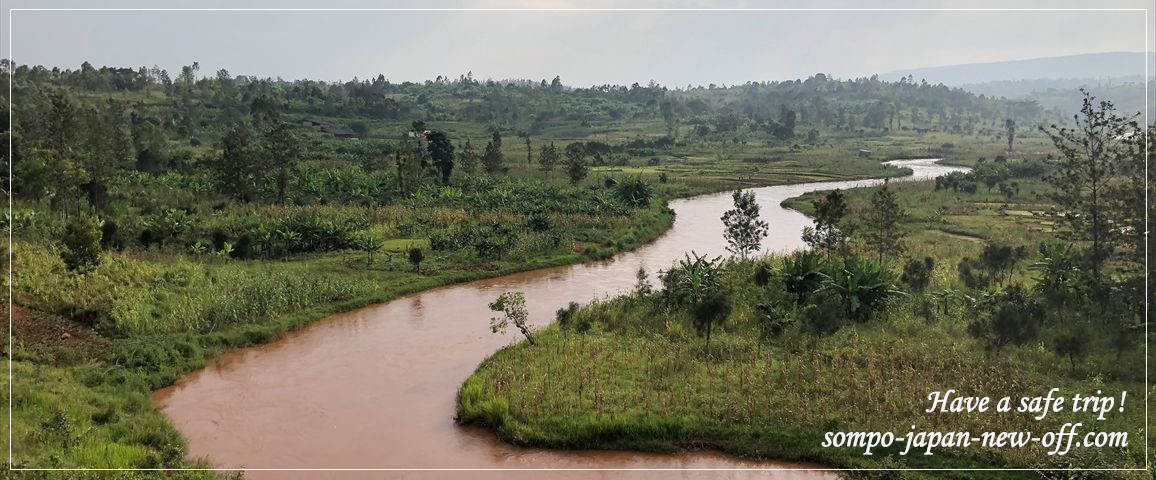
<point>882,231</point>
<point>513,306</point>
<point>743,229</point>
<point>829,233</point>
<point>917,273</point>
<point>442,153</point>
<point>81,240</point>
<point>862,285</point>
<point>576,168</point>
<point>634,192</point>
<point>802,275</point>
<point>1092,158</point>
<point>1010,317</point>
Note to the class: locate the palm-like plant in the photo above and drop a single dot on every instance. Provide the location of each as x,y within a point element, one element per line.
<point>1059,272</point>
<point>696,283</point>
<point>802,275</point>
<point>863,285</point>
<point>369,244</point>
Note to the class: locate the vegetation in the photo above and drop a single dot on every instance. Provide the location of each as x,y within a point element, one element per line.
<point>159,220</point>
<point>907,288</point>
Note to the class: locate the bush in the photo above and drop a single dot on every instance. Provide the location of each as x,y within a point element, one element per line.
<point>1011,317</point>
<point>917,274</point>
<point>81,252</point>
<point>634,192</point>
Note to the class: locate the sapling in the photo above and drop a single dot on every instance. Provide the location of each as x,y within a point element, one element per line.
<point>513,305</point>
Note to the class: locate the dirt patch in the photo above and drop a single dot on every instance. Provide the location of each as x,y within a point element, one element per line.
<point>50,336</point>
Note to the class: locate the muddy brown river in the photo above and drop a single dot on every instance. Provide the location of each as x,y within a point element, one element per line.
<point>375,388</point>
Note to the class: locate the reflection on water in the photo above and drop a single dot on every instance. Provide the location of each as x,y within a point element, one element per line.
<point>375,387</point>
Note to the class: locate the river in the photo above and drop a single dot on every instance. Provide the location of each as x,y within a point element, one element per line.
<point>375,388</point>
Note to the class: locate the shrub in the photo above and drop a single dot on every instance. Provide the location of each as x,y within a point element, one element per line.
<point>81,252</point>
<point>1011,317</point>
<point>917,274</point>
<point>415,257</point>
<point>634,192</point>
<point>863,285</point>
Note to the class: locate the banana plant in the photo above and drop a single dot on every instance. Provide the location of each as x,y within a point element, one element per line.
<point>863,285</point>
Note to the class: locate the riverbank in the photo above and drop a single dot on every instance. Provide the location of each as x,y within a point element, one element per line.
<point>632,373</point>
<point>102,383</point>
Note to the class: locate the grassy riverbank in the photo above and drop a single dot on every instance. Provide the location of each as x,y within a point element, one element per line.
<point>633,373</point>
<point>103,342</point>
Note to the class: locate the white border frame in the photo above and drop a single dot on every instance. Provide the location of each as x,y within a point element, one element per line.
<point>12,69</point>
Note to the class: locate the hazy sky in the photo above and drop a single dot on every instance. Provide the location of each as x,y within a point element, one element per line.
<point>583,47</point>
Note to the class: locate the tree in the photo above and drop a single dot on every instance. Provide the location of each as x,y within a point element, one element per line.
<point>917,274</point>
<point>415,257</point>
<point>863,285</point>
<point>492,158</point>
<point>239,168</point>
<point>548,157</point>
<point>1010,125</point>
<point>468,158</point>
<point>1085,173</point>
<point>81,252</point>
<point>442,153</point>
<point>882,222</point>
<point>410,158</point>
<point>369,244</point>
<point>576,162</point>
<point>513,306</point>
<point>697,283</point>
<point>281,150</point>
<point>802,275</point>
<point>529,151</point>
<point>1012,318</point>
<point>828,234</point>
<point>743,230</point>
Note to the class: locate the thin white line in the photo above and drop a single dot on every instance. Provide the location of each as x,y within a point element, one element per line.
<point>581,9</point>
<point>11,330</point>
<point>1147,233</point>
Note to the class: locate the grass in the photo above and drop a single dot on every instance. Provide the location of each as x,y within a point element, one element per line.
<point>641,378</point>
<point>144,318</point>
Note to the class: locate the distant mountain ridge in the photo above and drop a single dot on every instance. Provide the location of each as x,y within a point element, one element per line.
<point>1085,66</point>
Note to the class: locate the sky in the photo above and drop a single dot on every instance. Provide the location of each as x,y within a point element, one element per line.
<point>674,48</point>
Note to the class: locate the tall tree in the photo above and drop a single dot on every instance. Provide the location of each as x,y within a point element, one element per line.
<point>1090,156</point>
<point>239,168</point>
<point>468,158</point>
<point>442,153</point>
<point>548,157</point>
<point>281,150</point>
<point>1010,125</point>
<point>492,158</point>
<point>576,162</point>
<point>410,158</point>
<point>883,233</point>
<point>828,234</point>
<point>744,231</point>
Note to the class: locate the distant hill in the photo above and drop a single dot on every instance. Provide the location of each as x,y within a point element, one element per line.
<point>1086,66</point>
<point>1054,82</point>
